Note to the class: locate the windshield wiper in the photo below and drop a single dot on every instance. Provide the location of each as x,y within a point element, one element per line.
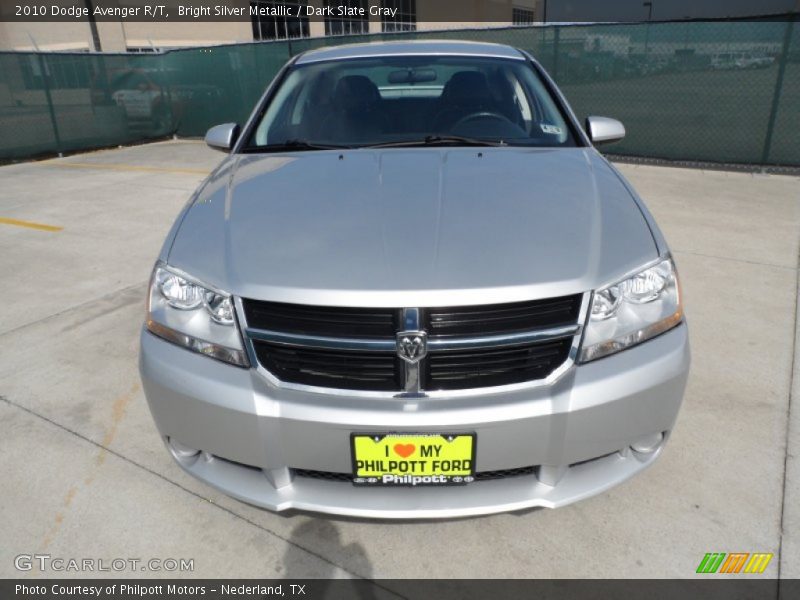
<point>440,140</point>
<point>294,145</point>
<point>430,140</point>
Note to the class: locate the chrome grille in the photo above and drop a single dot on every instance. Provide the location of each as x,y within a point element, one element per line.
<point>360,349</point>
<point>487,367</point>
<point>503,318</point>
<point>321,320</point>
<point>330,368</point>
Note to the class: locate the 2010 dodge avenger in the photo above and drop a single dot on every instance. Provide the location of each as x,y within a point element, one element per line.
<point>414,289</point>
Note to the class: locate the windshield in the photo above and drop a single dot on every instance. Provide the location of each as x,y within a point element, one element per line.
<point>409,100</point>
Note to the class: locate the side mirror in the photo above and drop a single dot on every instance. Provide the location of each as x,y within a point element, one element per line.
<point>602,130</point>
<point>223,137</point>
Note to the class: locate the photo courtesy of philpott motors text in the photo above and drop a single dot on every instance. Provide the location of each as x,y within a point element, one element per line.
<point>125,590</point>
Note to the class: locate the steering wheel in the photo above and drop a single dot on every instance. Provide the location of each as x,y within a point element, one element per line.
<point>483,115</point>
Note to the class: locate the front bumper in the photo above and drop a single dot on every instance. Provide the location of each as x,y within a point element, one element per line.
<point>257,442</point>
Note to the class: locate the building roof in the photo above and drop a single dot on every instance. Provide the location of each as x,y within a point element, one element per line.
<point>445,47</point>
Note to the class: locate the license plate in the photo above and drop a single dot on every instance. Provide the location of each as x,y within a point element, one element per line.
<point>413,459</point>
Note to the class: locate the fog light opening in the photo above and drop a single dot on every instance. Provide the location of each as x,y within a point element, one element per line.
<point>648,444</point>
<point>181,451</point>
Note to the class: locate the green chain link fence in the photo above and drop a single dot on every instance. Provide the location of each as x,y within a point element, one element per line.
<point>696,91</point>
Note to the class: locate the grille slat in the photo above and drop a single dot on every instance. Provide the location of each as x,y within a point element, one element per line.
<point>321,320</point>
<point>494,355</point>
<point>330,368</point>
<point>457,366</point>
<point>306,358</point>
<point>479,476</point>
<point>458,370</point>
<point>442,318</point>
<point>503,318</point>
<point>456,373</point>
<point>382,370</point>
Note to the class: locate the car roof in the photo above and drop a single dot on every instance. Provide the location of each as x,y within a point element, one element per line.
<point>440,47</point>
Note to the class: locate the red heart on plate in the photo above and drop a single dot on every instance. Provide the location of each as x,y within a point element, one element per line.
<point>404,450</point>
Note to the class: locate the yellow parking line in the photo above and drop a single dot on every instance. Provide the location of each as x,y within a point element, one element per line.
<point>29,224</point>
<point>114,167</point>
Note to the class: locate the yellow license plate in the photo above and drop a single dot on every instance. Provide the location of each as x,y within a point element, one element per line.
<point>413,459</point>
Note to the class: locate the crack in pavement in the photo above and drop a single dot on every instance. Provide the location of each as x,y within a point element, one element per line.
<point>75,307</point>
<point>792,375</point>
<point>119,407</point>
<point>118,412</point>
<point>230,512</point>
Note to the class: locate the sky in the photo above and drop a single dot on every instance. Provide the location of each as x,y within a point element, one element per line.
<point>635,10</point>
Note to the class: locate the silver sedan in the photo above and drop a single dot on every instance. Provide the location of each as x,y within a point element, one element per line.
<point>414,289</point>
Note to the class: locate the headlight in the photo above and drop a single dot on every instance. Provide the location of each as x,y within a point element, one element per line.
<point>633,310</point>
<point>190,314</point>
<point>177,291</point>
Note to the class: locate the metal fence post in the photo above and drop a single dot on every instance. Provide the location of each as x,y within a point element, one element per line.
<point>556,36</point>
<point>49,98</point>
<point>776,96</point>
<point>165,89</point>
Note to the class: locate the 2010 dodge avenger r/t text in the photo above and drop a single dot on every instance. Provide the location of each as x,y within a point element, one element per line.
<point>414,289</point>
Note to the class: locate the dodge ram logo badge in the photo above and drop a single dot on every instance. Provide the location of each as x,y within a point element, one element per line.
<point>412,346</point>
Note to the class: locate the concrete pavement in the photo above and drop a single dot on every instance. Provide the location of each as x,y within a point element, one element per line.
<point>85,474</point>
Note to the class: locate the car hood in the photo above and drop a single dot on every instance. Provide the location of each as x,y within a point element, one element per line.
<point>412,227</point>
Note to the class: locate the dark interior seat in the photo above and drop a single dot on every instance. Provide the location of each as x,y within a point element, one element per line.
<point>357,111</point>
<point>466,93</point>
